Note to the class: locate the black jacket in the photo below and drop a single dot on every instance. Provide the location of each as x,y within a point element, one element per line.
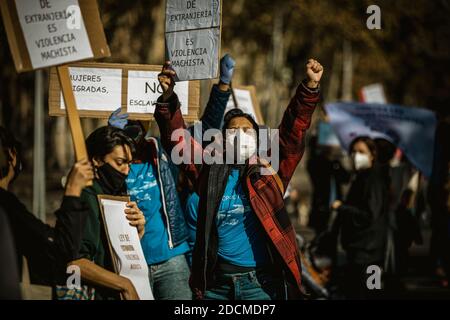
<point>47,249</point>
<point>363,217</point>
<point>9,272</point>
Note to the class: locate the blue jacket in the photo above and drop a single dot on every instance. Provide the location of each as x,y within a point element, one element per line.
<point>214,111</point>
<point>167,176</point>
<point>167,172</point>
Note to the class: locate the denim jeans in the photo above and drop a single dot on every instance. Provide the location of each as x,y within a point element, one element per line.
<point>253,285</point>
<point>170,279</point>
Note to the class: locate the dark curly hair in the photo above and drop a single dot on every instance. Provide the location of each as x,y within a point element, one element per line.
<point>103,140</point>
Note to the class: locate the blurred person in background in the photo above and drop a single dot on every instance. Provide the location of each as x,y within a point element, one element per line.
<point>328,176</point>
<point>363,217</point>
<point>47,249</point>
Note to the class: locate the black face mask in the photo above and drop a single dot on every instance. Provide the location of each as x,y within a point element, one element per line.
<point>111,180</point>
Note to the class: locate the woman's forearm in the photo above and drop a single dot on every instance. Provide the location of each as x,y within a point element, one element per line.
<point>97,275</point>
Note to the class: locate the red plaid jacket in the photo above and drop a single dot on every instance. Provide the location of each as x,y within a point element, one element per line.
<point>264,191</point>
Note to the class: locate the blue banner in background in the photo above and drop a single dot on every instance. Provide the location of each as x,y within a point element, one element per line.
<point>326,135</point>
<point>410,129</point>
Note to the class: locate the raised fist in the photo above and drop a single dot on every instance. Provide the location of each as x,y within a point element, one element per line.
<point>314,71</point>
<point>167,79</point>
<point>226,68</point>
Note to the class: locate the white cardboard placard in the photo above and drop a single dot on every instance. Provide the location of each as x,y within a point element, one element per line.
<point>54,31</point>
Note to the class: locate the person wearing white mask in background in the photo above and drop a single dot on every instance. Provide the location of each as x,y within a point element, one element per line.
<point>363,217</point>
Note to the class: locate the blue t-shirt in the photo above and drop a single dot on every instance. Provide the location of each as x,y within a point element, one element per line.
<point>144,189</point>
<point>241,236</point>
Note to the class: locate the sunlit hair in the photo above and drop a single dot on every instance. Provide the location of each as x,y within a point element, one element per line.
<point>103,140</point>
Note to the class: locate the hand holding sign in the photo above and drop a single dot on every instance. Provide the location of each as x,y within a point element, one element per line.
<point>167,80</point>
<point>136,217</point>
<point>314,72</point>
<point>80,177</point>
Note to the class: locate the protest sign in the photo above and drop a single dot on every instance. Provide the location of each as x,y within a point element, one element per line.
<point>43,33</point>
<point>373,93</point>
<point>124,244</point>
<point>195,53</point>
<point>184,15</point>
<point>247,102</point>
<point>101,88</point>
<point>144,90</point>
<point>410,129</point>
<point>193,30</point>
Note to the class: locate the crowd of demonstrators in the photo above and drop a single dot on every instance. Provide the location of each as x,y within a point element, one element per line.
<point>111,151</point>
<point>244,238</point>
<point>375,222</point>
<point>47,249</point>
<point>223,231</point>
<point>152,183</point>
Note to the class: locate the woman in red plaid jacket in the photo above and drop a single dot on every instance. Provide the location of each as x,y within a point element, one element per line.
<point>245,245</point>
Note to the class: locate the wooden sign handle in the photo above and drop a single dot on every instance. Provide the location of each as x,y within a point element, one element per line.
<point>72,114</point>
<point>234,96</point>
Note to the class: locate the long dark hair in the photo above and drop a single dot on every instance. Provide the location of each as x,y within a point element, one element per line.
<point>104,139</point>
<point>370,143</point>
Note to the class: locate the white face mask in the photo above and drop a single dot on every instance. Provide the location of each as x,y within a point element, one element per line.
<point>361,161</point>
<point>247,143</point>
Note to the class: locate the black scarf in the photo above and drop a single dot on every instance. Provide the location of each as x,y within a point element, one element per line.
<point>111,180</point>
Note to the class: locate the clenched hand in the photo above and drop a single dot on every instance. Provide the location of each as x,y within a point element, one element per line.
<point>314,72</point>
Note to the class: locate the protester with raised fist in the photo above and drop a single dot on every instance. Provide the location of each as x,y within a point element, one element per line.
<point>152,183</point>
<point>245,243</point>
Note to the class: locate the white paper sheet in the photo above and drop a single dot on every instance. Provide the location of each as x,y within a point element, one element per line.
<point>127,247</point>
<point>144,90</point>
<point>96,89</point>
<point>195,53</point>
<point>192,14</point>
